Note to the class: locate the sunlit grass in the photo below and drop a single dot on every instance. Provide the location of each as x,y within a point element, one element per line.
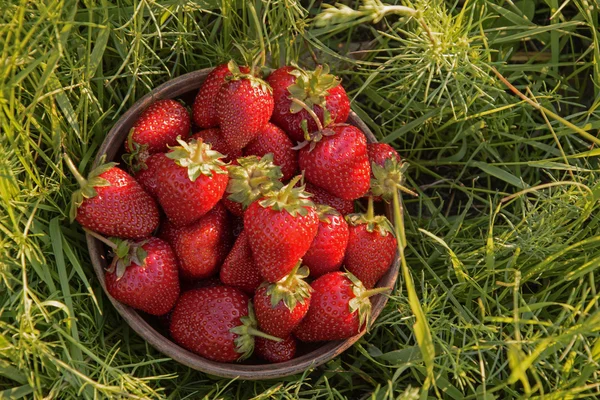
<point>502,241</point>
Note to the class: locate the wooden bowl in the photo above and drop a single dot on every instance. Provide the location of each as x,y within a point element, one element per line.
<point>186,87</point>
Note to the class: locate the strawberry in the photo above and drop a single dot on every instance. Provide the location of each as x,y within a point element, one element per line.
<point>280,229</point>
<point>316,89</point>
<point>339,308</point>
<point>244,106</point>
<point>214,137</point>
<point>144,275</point>
<point>338,162</point>
<point>322,196</point>
<point>275,352</point>
<point>202,246</point>
<point>112,203</point>
<point>159,126</point>
<point>239,270</point>
<point>191,183</point>
<point>387,172</point>
<point>216,322</point>
<point>249,179</point>
<point>272,139</point>
<point>326,252</point>
<point>203,110</point>
<point>147,172</point>
<point>281,306</point>
<point>371,246</point>
<point>169,232</point>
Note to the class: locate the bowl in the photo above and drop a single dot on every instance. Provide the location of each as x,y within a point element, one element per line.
<point>186,86</point>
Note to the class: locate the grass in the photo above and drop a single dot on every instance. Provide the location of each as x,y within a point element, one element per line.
<point>502,241</point>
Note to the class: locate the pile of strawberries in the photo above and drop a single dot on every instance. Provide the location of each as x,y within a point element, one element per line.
<point>237,235</point>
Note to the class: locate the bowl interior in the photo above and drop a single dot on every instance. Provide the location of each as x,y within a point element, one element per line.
<point>186,86</point>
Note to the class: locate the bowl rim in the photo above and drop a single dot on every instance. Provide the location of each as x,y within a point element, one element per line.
<point>174,88</point>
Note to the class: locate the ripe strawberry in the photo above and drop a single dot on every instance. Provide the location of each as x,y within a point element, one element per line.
<point>214,137</point>
<point>147,172</point>
<point>203,110</point>
<point>338,162</point>
<point>144,275</point>
<point>202,246</point>
<point>272,139</point>
<point>239,270</point>
<point>275,352</point>
<point>159,126</point>
<point>249,179</point>
<point>340,308</point>
<point>387,172</point>
<point>316,89</point>
<point>371,246</point>
<point>281,306</point>
<point>322,196</point>
<point>280,229</point>
<point>112,203</point>
<point>244,106</point>
<point>326,252</point>
<point>169,232</point>
<point>216,322</point>
<point>191,183</point>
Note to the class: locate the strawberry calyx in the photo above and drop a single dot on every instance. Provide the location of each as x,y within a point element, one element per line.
<point>361,303</point>
<point>86,186</point>
<point>125,253</point>
<point>324,211</point>
<point>375,223</point>
<point>389,178</point>
<point>291,289</point>
<point>198,157</point>
<point>244,343</point>
<point>136,154</point>
<point>294,200</point>
<point>253,178</point>
<point>255,81</point>
<point>311,87</point>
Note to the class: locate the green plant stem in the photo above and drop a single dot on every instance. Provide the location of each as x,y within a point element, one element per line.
<point>421,327</point>
<point>80,179</point>
<point>101,238</point>
<point>256,332</point>
<point>310,112</point>
<point>370,209</point>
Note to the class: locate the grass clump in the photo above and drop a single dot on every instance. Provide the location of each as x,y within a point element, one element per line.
<point>503,241</point>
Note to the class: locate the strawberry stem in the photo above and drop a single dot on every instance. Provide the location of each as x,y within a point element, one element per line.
<point>101,238</point>
<point>372,292</point>
<point>256,332</point>
<point>80,179</point>
<point>309,111</point>
<point>255,182</point>
<point>370,209</point>
<point>290,277</point>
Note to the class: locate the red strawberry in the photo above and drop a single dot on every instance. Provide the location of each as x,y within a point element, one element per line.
<point>275,352</point>
<point>326,252</point>
<point>112,203</point>
<point>322,196</point>
<point>214,137</point>
<point>148,171</point>
<point>159,126</point>
<point>316,89</point>
<point>272,139</point>
<point>239,270</point>
<point>338,162</point>
<point>244,106</point>
<point>216,322</point>
<point>203,110</point>
<point>192,182</point>
<point>169,232</point>
<point>281,306</point>
<point>249,179</point>
<point>371,247</point>
<point>387,172</point>
<point>202,246</point>
<point>144,275</point>
<point>280,229</point>
<point>339,308</point>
